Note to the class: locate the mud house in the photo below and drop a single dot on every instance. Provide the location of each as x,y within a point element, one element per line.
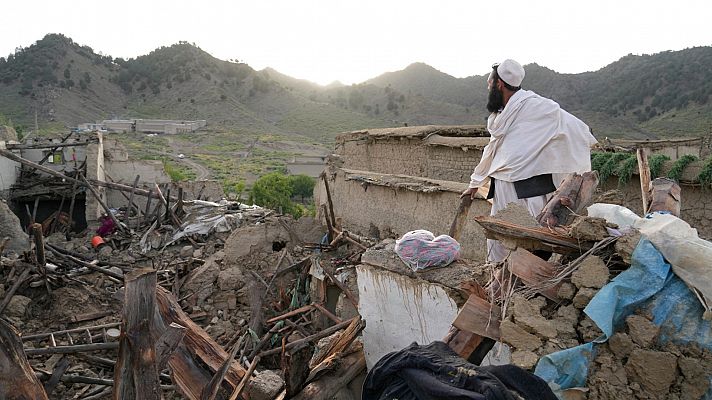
<point>153,125</point>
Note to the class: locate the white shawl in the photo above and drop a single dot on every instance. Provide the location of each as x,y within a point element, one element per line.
<point>533,136</point>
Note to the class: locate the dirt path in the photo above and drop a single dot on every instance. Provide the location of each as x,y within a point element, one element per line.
<point>201,172</point>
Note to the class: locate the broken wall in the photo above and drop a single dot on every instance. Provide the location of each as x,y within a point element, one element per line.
<point>8,173</point>
<point>95,170</point>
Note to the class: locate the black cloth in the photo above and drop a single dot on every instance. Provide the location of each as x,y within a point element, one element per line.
<point>436,372</point>
<point>531,187</point>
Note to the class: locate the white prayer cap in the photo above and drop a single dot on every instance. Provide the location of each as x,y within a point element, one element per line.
<point>511,72</point>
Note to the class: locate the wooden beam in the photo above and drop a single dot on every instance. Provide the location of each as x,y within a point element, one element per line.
<point>479,317</point>
<point>135,374</point>
<point>14,157</point>
<point>17,379</point>
<point>642,155</point>
<point>533,270</point>
<point>53,146</point>
<point>458,224</point>
<point>540,238</point>
<point>329,384</point>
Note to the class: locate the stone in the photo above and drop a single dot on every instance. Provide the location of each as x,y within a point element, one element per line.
<point>620,344</point>
<point>527,315</point>
<point>105,251</point>
<point>567,291</point>
<point>198,253</point>
<point>583,297</point>
<point>589,228</point>
<point>265,386</point>
<point>655,371</point>
<point>214,320</point>
<point>229,279</point>
<point>10,227</point>
<point>17,307</point>
<point>231,302</point>
<point>588,331</point>
<point>524,359</point>
<point>696,381</point>
<point>592,273</point>
<point>83,249</point>
<point>117,270</point>
<point>626,244</point>
<point>641,330</point>
<point>517,337</point>
<point>186,251</point>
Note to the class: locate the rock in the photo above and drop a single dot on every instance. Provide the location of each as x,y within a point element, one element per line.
<point>69,246</point>
<point>10,227</point>
<point>265,386</point>
<point>592,273</point>
<point>566,291</point>
<point>17,307</point>
<point>526,314</point>
<point>696,381</point>
<point>117,270</point>
<point>214,320</point>
<point>105,250</point>
<point>620,344</point>
<point>230,279</point>
<point>186,251</point>
<point>641,330</point>
<point>655,371</point>
<point>583,297</point>
<point>83,249</point>
<point>626,244</point>
<point>589,228</point>
<point>198,253</point>
<point>517,337</point>
<point>524,359</point>
<point>588,331</point>
<point>231,302</point>
<point>129,259</point>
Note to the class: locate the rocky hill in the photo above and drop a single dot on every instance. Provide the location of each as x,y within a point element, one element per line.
<point>665,94</point>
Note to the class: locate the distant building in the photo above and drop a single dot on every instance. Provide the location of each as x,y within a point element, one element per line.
<point>165,126</point>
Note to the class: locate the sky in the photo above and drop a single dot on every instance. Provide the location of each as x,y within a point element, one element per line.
<point>352,41</point>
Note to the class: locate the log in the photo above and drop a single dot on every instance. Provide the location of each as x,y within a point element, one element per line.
<point>341,286</point>
<point>135,374</point>
<point>329,384</point>
<point>533,271</point>
<point>644,170</point>
<point>295,368</point>
<point>573,195</point>
<point>198,356</point>
<point>17,379</point>
<point>328,199</point>
<point>290,314</point>
<point>665,196</point>
<point>211,389</point>
<point>59,369</point>
<point>167,344</point>
<point>549,239</point>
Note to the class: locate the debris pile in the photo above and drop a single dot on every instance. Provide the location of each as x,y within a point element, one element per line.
<point>191,298</point>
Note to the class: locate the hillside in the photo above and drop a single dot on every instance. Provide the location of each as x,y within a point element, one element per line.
<point>665,94</point>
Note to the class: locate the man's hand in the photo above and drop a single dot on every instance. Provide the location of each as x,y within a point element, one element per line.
<point>472,192</point>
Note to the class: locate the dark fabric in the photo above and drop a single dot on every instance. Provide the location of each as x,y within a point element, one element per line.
<point>436,372</point>
<point>490,192</point>
<point>535,186</point>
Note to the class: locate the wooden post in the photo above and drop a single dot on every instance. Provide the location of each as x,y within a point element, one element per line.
<point>131,197</point>
<point>135,374</point>
<point>328,199</point>
<point>11,292</point>
<point>642,154</point>
<point>572,196</point>
<point>665,196</point>
<point>71,210</point>
<point>148,206</point>
<point>17,379</point>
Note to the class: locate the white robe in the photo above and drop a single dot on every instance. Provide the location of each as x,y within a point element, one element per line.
<point>531,136</point>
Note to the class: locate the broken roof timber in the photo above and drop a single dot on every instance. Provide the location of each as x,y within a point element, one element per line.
<point>413,183</point>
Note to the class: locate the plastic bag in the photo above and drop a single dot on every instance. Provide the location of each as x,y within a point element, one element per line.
<point>421,249</point>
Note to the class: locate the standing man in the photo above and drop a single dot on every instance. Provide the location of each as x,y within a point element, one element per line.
<point>533,145</point>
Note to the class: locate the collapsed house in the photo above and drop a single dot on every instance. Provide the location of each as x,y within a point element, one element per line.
<point>189,298</point>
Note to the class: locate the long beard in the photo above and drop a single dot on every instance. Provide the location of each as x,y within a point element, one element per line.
<point>495,100</point>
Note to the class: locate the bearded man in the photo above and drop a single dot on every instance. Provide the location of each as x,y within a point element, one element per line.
<point>534,145</point>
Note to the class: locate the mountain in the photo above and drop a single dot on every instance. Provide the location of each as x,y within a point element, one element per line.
<point>659,95</point>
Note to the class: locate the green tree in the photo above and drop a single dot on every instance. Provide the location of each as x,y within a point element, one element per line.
<point>274,191</point>
<point>302,186</point>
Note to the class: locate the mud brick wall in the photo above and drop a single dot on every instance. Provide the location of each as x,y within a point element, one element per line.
<point>406,156</point>
<point>388,212</point>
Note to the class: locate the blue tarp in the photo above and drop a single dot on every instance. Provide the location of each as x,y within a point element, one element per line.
<point>649,284</point>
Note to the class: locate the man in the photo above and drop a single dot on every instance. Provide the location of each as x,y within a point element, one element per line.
<point>533,145</point>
